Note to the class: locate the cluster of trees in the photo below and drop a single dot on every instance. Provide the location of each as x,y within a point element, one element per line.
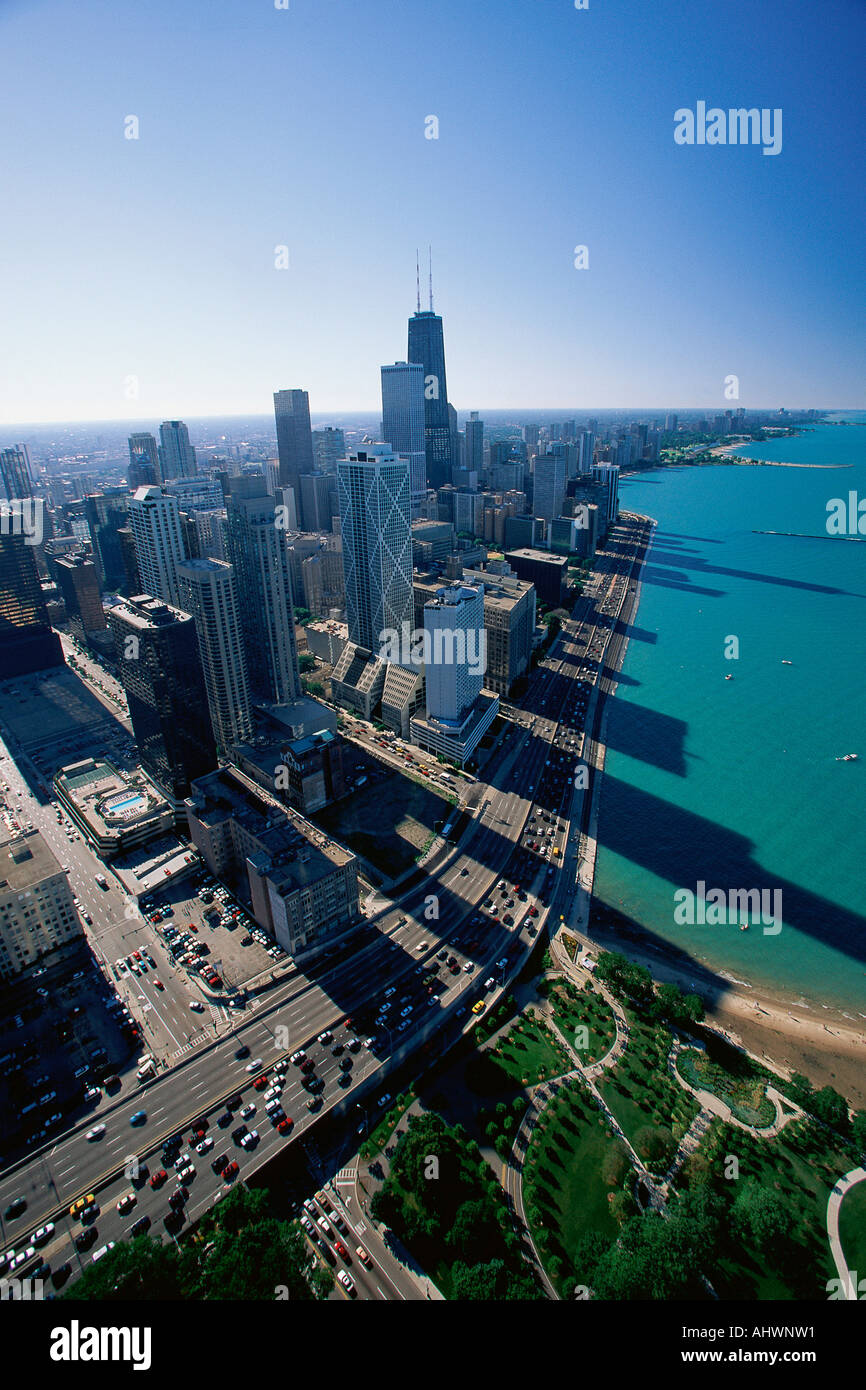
<point>667,1004</point>
<point>441,1198</point>
<point>239,1251</point>
<point>828,1106</point>
<point>665,1258</point>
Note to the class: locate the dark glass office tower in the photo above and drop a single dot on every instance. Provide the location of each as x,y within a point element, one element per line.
<point>161,671</point>
<point>16,472</point>
<point>107,512</point>
<point>427,346</point>
<point>294,438</point>
<point>27,642</point>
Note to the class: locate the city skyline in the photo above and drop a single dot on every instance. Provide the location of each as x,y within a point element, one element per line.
<point>704,247</point>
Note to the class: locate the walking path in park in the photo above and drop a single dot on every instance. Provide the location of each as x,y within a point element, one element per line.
<point>849,1277</point>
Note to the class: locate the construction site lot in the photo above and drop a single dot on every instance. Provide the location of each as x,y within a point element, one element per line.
<point>389,823</point>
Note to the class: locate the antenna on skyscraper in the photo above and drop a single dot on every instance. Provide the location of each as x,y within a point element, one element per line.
<point>430,258</point>
<point>417,280</point>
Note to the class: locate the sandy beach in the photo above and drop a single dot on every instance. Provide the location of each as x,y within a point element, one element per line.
<point>822,1043</point>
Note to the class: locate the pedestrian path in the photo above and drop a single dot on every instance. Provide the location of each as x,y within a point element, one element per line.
<point>850,1281</point>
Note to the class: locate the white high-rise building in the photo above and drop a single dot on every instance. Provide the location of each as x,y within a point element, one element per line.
<point>208,592</point>
<point>375,518</point>
<point>196,494</point>
<point>154,519</point>
<point>403,423</point>
<point>454,647</point>
<point>549,495</point>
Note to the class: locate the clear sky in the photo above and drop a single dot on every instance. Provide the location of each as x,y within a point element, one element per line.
<point>154,258</point>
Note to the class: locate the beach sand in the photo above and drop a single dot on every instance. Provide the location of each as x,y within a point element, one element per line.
<point>822,1043</point>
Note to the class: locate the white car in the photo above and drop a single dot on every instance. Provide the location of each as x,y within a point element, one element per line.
<point>204,1146</point>
<point>346,1281</point>
<point>250,1139</point>
<point>103,1250</point>
<point>248,1111</point>
<point>43,1234</point>
<point>95,1133</point>
<point>197,1006</point>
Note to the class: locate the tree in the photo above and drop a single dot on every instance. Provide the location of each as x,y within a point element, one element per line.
<point>858,1129</point>
<point>829,1106</point>
<point>759,1216</point>
<point>306,663</point>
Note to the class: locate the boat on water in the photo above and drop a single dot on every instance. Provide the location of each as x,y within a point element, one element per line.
<point>744,926</point>
<point>787,663</point>
<point>729,677</point>
<point>849,758</point>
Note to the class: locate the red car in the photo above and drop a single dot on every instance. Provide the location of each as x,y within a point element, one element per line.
<point>158,984</point>
<point>533,912</point>
<point>193,927</point>
<point>230,1171</point>
<point>260,1083</point>
<point>342,1251</point>
<point>158,1178</point>
<point>285,1125</point>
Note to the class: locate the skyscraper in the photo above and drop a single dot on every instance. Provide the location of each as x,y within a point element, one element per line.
<point>474,443</point>
<point>157,655</point>
<point>294,437</point>
<point>143,461</point>
<point>208,594</point>
<point>454,631</point>
<point>27,642</point>
<point>375,517</point>
<point>427,346</point>
<point>403,412</point>
<point>17,472</point>
<point>154,519</point>
<point>78,582</point>
<point>549,495</point>
<point>256,547</point>
<point>176,454</point>
<point>107,513</point>
<point>318,500</point>
<point>329,446</point>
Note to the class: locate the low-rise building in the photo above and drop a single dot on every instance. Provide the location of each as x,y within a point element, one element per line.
<point>114,810</point>
<point>37,913</point>
<point>303,887</point>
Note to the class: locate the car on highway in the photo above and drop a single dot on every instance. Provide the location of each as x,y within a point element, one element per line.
<point>86,1238</point>
<point>95,1133</point>
<point>347,1282</point>
<point>205,1145</point>
<point>43,1234</point>
<point>220,1162</point>
<point>250,1139</point>
<point>81,1205</point>
<point>138,1118</point>
<point>197,1006</point>
<point>247,1111</point>
<point>242,1052</point>
<point>285,1125</point>
<point>230,1172</point>
<point>254,1065</point>
<point>186,1173</point>
<point>139,1226</point>
<point>126,1203</point>
<point>158,984</point>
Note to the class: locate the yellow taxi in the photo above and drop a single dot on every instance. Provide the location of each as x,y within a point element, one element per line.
<point>82,1204</point>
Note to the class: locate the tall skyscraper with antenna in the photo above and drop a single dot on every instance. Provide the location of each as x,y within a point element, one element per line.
<point>427,346</point>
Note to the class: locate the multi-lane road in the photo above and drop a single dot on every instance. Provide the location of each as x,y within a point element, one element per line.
<point>400,947</point>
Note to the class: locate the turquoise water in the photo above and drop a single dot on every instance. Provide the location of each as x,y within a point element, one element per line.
<point>736,782</point>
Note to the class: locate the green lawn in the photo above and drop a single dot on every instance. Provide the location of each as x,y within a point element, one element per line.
<point>523,1056</point>
<point>652,1109</point>
<point>573,1166</point>
<point>583,1008</point>
<point>852,1228</point>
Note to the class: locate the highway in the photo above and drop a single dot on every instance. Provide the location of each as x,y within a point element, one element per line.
<point>440,912</point>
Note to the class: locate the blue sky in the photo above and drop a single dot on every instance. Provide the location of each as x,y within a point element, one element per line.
<point>154,258</point>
